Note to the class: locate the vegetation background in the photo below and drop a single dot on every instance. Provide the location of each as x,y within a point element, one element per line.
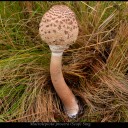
<point>95,67</point>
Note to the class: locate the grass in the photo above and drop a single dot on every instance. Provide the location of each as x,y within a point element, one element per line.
<point>95,67</point>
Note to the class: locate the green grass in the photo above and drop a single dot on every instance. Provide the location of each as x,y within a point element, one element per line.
<point>95,67</point>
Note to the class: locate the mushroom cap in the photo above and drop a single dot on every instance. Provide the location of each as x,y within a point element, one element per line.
<point>59,26</point>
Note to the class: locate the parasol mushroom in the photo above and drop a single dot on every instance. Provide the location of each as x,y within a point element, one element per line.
<point>59,29</point>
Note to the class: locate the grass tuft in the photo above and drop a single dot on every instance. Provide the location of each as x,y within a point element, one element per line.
<point>95,67</point>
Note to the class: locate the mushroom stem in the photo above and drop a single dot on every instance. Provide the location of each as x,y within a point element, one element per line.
<point>67,97</point>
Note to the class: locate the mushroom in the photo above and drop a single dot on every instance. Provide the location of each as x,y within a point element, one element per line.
<point>59,29</point>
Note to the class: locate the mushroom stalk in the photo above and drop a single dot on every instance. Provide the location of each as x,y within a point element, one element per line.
<point>67,97</point>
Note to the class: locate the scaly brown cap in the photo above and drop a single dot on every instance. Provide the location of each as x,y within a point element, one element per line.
<point>59,26</point>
